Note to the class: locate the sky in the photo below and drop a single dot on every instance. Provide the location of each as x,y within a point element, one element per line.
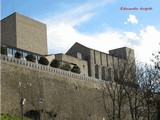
<point>99,24</point>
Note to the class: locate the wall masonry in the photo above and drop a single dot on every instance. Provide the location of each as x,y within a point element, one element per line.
<point>73,60</point>
<point>104,59</point>
<point>100,62</point>
<point>69,97</point>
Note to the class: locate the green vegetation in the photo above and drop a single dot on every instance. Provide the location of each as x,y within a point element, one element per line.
<point>76,69</point>
<point>18,55</point>
<point>66,67</point>
<point>55,63</point>
<point>3,50</point>
<point>31,57</point>
<point>43,61</point>
<point>12,117</point>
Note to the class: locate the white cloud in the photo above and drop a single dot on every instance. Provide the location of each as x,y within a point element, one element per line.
<point>131,19</point>
<point>72,17</point>
<point>78,14</point>
<point>149,43</point>
<point>131,36</point>
<point>62,34</point>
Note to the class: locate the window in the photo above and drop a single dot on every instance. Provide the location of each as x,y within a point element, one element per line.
<point>96,71</point>
<point>37,58</point>
<point>10,51</point>
<point>14,51</point>
<point>83,66</point>
<point>24,55</point>
<point>104,72</point>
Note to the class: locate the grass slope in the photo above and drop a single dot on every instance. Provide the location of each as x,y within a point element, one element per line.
<point>11,117</point>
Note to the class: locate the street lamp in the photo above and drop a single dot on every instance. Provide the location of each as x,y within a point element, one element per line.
<point>22,102</point>
<point>41,101</point>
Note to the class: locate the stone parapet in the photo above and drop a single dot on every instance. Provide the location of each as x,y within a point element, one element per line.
<point>48,69</point>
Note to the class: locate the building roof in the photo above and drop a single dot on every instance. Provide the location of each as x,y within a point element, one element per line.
<point>99,50</point>
<point>18,14</point>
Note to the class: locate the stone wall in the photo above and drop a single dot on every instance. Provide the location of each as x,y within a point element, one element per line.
<point>82,64</point>
<point>100,63</point>
<point>70,98</point>
<point>123,53</point>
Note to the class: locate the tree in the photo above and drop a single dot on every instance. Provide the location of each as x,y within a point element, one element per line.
<point>31,57</point>
<point>43,61</point>
<point>55,63</point>
<point>76,69</point>
<point>156,59</point>
<point>3,50</point>
<point>132,93</point>
<point>66,67</point>
<point>18,55</point>
<point>150,85</point>
<point>114,99</point>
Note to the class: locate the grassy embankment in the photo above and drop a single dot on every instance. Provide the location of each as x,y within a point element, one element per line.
<point>11,117</point>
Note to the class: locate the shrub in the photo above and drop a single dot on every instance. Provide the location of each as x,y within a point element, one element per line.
<point>55,63</point>
<point>43,61</point>
<point>18,55</point>
<point>3,50</point>
<point>31,57</point>
<point>76,69</point>
<point>66,67</point>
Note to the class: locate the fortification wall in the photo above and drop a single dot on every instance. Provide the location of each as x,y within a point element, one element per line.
<point>49,90</point>
<point>71,98</point>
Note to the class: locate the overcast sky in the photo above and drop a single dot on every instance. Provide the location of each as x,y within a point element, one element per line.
<point>99,24</point>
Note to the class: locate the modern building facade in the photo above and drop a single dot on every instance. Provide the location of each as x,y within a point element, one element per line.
<point>24,33</point>
<point>20,33</point>
<point>82,64</point>
<point>102,65</point>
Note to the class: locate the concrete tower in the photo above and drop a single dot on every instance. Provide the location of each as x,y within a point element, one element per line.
<point>25,33</point>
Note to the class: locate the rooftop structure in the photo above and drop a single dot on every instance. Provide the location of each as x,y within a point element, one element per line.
<point>24,33</point>
<point>102,65</point>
